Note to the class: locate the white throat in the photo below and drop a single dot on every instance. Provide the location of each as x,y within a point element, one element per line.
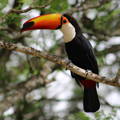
<point>69,32</point>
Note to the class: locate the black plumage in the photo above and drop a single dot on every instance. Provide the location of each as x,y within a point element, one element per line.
<point>80,52</point>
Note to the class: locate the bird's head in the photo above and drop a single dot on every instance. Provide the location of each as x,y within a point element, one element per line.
<point>49,21</point>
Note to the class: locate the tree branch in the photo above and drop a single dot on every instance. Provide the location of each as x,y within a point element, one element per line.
<point>20,90</point>
<point>29,8</point>
<point>25,10</point>
<point>83,7</point>
<point>111,49</point>
<point>5,29</point>
<point>62,62</point>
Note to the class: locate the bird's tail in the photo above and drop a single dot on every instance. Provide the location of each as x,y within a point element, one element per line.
<point>90,100</point>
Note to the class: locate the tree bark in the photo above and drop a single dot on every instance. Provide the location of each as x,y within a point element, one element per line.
<point>64,63</point>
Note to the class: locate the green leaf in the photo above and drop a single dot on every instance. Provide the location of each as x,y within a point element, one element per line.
<point>58,6</point>
<point>26,1</point>
<point>102,115</point>
<point>40,2</point>
<point>79,116</point>
<point>13,19</point>
<point>105,7</point>
<point>3,3</point>
<point>109,20</point>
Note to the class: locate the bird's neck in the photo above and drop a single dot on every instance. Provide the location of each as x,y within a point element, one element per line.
<point>68,31</point>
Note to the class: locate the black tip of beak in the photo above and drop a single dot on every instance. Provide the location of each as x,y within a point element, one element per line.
<point>26,26</point>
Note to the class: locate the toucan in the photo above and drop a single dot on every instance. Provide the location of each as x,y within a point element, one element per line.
<point>78,49</point>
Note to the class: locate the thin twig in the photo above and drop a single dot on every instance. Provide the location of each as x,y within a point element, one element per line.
<point>83,7</point>
<point>30,8</point>
<point>24,10</point>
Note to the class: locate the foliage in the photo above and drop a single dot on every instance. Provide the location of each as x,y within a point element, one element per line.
<point>103,116</point>
<point>102,22</point>
<point>55,7</point>
<point>3,4</point>
<point>79,116</point>
<point>13,19</point>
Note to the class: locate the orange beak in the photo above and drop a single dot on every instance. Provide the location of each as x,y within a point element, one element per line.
<point>49,21</point>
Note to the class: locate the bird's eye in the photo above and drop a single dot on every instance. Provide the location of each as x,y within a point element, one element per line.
<point>64,21</point>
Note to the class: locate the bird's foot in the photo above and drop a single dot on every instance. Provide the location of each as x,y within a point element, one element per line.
<point>87,72</point>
